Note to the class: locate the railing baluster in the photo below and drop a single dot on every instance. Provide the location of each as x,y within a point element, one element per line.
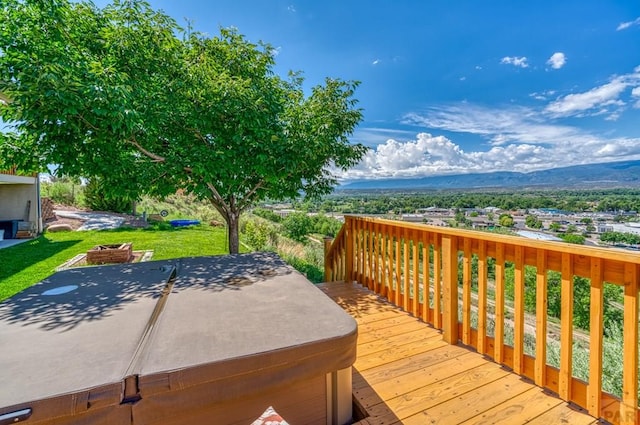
<point>518,337</point>
<point>596,331</point>
<point>384,288</point>
<point>498,348</point>
<point>541,318</point>
<point>370,279</point>
<point>482,297</point>
<point>466,292</point>
<point>390,293</point>
<point>349,223</point>
<point>405,252</point>
<point>425,277</point>
<point>629,405</point>
<point>397,268</point>
<point>416,262</point>
<point>360,250</point>
<point>437,282</point>
<point>376,258</point>
<point>450,288</point>
<point>566,325</point>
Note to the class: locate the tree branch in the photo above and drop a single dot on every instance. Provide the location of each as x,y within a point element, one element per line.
<point>216,196</point>
<point>84,120</point>
<point>246,200</point>
<point>156,158</point>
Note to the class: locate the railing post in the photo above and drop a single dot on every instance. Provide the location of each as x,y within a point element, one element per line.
<point>348,267</point>
<point>328,240</point>
<point>450,288</point>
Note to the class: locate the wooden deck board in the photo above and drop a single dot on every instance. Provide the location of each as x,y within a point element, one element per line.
<point>406,374</point>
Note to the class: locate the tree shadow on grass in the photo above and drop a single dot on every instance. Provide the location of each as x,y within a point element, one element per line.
<point>19,257</point>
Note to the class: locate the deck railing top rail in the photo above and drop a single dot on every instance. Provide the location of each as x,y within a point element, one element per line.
<point>473,286</point>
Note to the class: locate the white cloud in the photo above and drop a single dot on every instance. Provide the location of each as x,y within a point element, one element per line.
<point>291,8</point>
<point>636,93</point>
<point>375,62</point>
<point>478,67</point>
<point>557,60</point>
<point>498,126</point>
<point>515,61</point>
<point>596,101</point>
<point>462,78</point>
<point>542,95</point>
<point>625,25</point>
<point>518,140</point>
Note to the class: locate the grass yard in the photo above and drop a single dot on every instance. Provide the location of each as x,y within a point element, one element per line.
<point>28,263</point>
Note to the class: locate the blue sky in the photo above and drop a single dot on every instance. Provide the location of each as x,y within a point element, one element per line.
<point>450,87</point>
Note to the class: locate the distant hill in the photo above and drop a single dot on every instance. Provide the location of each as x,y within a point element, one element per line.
<point>604,175</point>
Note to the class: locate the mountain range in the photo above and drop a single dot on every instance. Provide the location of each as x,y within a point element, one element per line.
<point>603,175</point>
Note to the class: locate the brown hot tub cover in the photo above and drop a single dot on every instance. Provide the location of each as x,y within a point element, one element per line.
<point>154,342</point>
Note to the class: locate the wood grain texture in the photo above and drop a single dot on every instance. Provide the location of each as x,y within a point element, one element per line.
<point>406,374</point>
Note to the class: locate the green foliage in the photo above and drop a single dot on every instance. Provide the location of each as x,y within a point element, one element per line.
<point>382,202</point>
<point>297,226</point>
<point>571,228</point>
<point>260,235</point>
<point>179,205</point>
<point>122,93</point>
<point>620,238</point>
<point>267,214</point>
<point>533,222</point>
<point>63,191</point>
<point>581,296</point>
<point>506,220</point>
<point>326,226</point>
<point>314,273</point>
<point>573,238</point>
<point>99,199</point>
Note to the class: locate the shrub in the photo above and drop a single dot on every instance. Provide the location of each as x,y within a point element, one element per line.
<point>96,200</point>
<point>260,235</point>
<point>63,191</point>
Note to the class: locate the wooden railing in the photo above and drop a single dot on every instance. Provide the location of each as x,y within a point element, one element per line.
<point>423,268</point>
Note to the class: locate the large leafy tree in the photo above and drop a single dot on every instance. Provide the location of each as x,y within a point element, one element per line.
<point>124,94</point>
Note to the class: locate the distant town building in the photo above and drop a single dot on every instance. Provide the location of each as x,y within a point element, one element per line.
<point>434,211</point>
<point>283,213</point>
<point>604,227</point>
<point>412,218</point>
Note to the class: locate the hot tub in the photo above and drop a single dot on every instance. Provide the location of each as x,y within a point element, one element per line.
<point>211,339</point>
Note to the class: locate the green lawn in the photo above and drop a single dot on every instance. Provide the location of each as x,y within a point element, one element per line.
<point>28,263</point>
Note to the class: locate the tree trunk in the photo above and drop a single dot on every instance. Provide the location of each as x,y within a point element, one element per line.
<point>233,221</point>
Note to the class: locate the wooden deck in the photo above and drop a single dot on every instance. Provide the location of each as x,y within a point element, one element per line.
<point>406,374</point>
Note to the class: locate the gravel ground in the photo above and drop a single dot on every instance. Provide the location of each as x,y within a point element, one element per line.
<point>87,220</point>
